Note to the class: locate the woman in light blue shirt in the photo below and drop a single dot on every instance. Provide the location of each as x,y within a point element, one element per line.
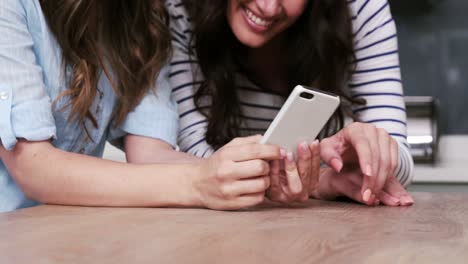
<point>74,74</point>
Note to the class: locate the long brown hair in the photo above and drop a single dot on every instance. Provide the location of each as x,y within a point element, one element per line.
<point>320,49</point>
<point>126,39</point>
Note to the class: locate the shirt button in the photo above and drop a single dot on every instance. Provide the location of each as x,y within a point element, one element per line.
<point>3,95</point>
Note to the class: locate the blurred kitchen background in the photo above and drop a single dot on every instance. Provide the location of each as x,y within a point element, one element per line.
<point>433,40</point>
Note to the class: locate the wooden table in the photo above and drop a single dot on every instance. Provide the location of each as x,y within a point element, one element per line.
<point>434,230</point>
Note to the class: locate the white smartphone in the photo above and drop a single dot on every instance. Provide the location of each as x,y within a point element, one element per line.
<point>301,118</point>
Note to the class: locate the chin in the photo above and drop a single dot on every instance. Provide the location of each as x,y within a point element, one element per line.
<point>252,41</point>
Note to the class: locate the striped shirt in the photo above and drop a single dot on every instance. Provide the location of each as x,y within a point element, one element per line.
<point>376,78</point>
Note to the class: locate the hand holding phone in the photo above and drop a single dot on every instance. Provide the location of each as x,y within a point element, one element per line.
<point>301,118</point>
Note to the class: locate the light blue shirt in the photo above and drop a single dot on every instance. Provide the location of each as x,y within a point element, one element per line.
<point>31,78</point>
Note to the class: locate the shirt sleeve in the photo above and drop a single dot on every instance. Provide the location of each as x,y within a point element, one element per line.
<point>185,77</point>
<point>25,106</point>
<point>377,78</point>
<point>155,116</point>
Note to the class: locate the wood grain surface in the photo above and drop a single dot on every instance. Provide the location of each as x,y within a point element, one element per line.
<point>434,230</point>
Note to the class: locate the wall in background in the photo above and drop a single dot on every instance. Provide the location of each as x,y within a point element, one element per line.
<point>433,40</point>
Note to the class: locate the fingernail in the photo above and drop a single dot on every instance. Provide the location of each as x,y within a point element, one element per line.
<point>304,146</point>
<point>316,142</point>
<point>377,202</point>
<point>337,164</point>
<point>283,153</point>
<point>366,195</point>
<point>405,200</point>
<point>289,156</point>
<point>368,170</point>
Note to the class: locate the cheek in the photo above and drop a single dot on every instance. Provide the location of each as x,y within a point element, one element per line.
<point>295,10</point>
<point>233,10</point>
<point>239,26</point>
<point>234,16</point>
<point>234,21</point>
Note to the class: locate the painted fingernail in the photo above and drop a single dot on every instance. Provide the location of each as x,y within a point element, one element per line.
<point>368,170</point>
<point>366,195</point>
<point>289,156</point>
<point>283,153</point>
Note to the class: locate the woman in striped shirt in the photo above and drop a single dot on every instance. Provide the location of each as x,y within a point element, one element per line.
<point>235,62</point>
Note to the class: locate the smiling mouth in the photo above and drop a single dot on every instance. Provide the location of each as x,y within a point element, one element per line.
<point>257,20</point>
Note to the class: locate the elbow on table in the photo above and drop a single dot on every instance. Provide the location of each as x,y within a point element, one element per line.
<point>20,163</point>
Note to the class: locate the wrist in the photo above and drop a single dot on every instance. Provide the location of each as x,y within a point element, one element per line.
<point>177,188</point>
<point>194,173</point>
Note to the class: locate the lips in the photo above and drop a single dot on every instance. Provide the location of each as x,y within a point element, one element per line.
<point>256,19</point>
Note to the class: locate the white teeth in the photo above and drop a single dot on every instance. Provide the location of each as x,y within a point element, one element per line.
<point>256,19</point>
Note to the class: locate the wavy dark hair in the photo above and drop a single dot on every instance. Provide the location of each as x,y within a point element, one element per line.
<point>320,51</point>
<point>126,39</point>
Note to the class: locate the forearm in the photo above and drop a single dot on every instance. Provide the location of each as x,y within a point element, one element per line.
<point>53,176</point>
<point>141,150</point>
<point>163,155</point>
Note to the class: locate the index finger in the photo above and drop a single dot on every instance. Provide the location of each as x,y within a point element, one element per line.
<point>314,177</point>
<point>363,150</point>
<point>292,174</point>
<point>304,165</point>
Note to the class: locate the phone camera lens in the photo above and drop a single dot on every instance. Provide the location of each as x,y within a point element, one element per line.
<point>307,95</point>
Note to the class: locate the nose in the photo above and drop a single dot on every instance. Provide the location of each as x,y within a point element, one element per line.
<point>269,8</point>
